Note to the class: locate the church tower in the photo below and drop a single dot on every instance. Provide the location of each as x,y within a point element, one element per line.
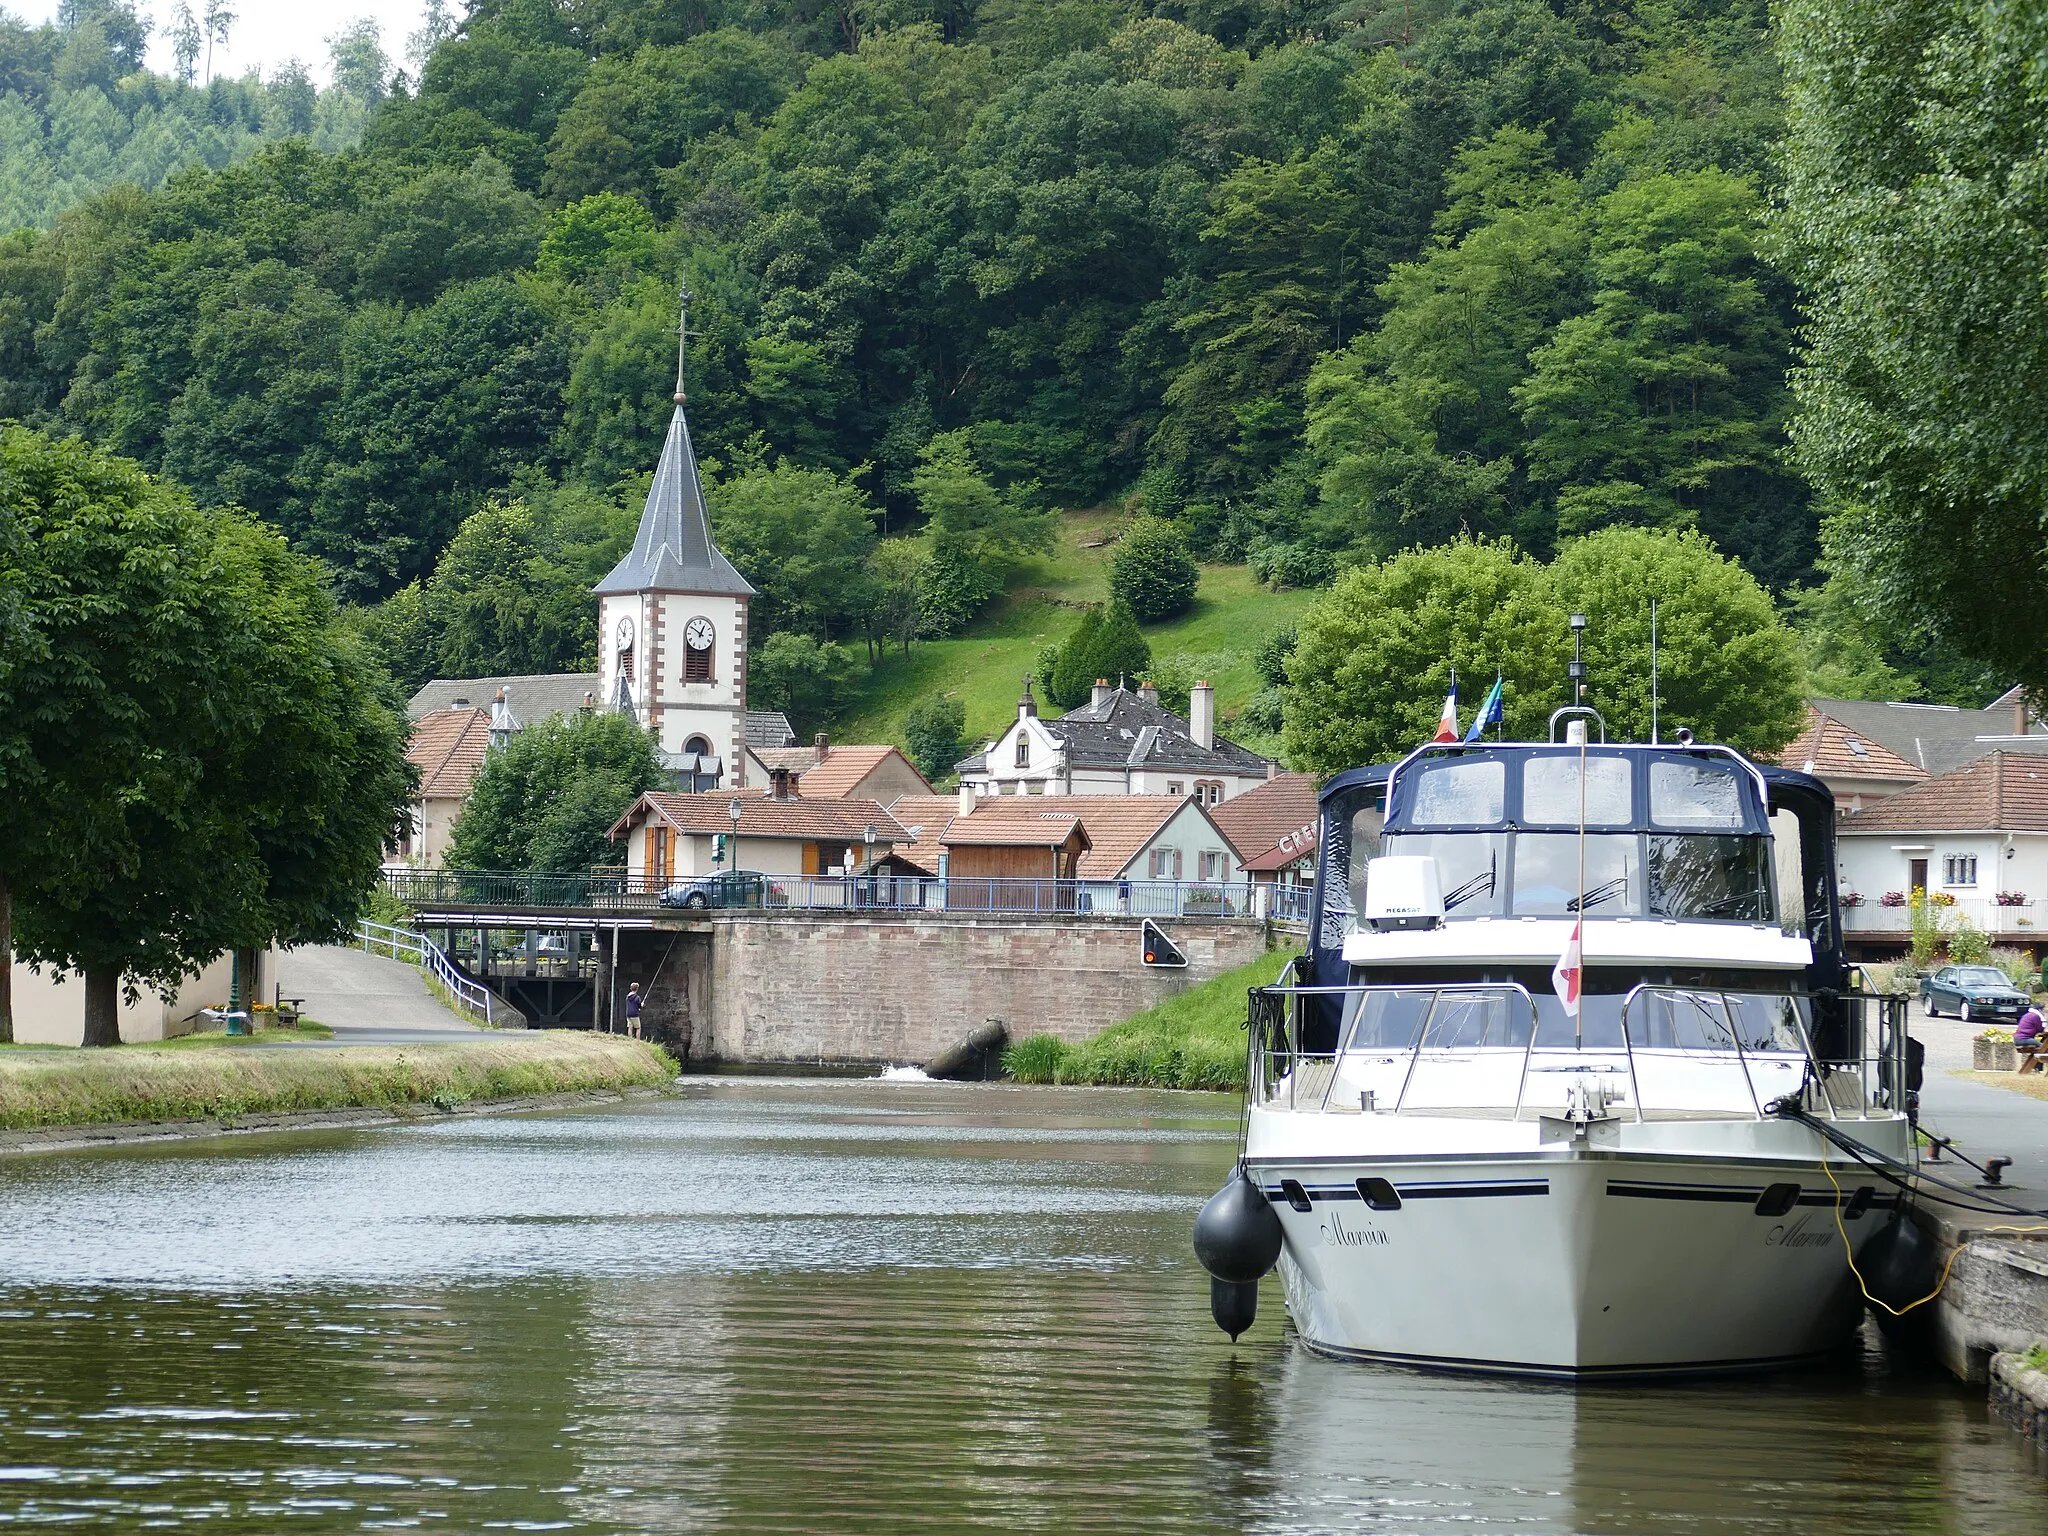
<point>672,620</point>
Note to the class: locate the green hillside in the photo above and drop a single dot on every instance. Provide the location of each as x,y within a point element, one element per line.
<point>986,666</point>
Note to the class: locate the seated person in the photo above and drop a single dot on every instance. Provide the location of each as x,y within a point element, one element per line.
<point>2027,1041</point>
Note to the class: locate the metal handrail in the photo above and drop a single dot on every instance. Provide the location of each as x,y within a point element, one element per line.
<point>1422,1035</point>
<point>405,944</point>
<point>1889,1052</point>
<point>880,890</point>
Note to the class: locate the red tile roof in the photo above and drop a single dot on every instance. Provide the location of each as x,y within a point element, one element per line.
<point>2001,792</point>
<point>448,745</point>
<point>832,820</point>
<point>1827,747</point>
<point>1119,827</point>
<point>1279,818</point>
<point>1046,830</point>
<point>842,769</point>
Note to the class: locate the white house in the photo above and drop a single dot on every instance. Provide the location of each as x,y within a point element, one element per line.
<point>1118,743</point>
<point>1976,836</point>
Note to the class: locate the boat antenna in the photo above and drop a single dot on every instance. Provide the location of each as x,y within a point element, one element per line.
<point>1653,671</point>
<point>1578,728</point>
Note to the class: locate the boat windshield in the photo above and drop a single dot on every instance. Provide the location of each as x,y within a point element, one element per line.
<point>1659,1018</point>
<point>1627,874</point>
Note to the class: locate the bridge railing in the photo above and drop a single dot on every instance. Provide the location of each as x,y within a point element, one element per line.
<point>878,890</point>
<point>405,944</point>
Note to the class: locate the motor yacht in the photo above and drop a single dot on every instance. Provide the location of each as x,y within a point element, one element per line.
<point>1541,1095</point>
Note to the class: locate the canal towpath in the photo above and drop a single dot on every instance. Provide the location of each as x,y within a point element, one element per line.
<point>367,999</point>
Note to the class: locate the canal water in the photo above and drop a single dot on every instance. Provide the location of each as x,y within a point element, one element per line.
<point>827,1306</point>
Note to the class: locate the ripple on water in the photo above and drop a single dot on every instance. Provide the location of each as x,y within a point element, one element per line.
<point>844,1308</point>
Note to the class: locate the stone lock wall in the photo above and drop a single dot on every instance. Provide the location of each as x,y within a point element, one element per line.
<point>886,988</point>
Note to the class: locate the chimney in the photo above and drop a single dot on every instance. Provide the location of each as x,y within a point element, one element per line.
<point>1026,705</point>
<point>966,799</point>
<point>1099,694</point>
<point>822,745</point>
<point>1147,692</point>
<point>1202,715</point>
<point>1272,771</point>
<point>782,784</point>
<point>2019,714</point>
<point>589,703</point>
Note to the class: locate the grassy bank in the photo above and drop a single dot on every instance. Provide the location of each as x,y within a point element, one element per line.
<point>1195,1039</point>
<point>176,1082</point>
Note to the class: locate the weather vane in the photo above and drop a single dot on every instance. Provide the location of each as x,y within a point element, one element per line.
<point>683,335</point>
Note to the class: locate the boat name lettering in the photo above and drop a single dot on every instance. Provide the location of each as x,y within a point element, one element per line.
<point>1796,1236</point>
<point>1337,1235</point>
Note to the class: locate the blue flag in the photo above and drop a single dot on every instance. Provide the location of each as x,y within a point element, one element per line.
<point>1487,714</point>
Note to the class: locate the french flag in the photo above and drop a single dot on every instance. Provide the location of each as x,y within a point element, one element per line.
<point>1447,726</point>
<point>1569,975</point>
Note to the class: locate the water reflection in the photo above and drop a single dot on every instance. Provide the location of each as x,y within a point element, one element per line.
<point>825,1307</point>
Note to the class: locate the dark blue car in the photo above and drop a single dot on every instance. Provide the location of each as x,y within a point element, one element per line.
<point>1973,993</point>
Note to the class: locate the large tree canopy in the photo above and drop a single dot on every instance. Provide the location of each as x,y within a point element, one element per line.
<point>193,757</point>
<point>1374,659</point>
<point>1914,218</point>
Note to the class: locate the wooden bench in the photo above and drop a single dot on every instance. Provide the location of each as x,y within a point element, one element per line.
<point>289,1008</point>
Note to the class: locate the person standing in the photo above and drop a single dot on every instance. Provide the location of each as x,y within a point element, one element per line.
<point>633,1010</point>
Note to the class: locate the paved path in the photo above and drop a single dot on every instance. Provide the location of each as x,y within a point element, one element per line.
<point>1986,1119</point>
<point>368,999</point>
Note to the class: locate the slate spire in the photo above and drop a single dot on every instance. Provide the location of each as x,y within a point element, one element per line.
<point>673,551</point>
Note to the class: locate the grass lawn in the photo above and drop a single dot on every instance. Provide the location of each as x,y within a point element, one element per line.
<point>172,1081</point>
<point>985,667</point>
<point>209,1039</point>
<point>1195,1039</point>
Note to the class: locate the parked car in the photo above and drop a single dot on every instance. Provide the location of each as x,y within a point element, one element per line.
<point>1974,992</point>
<point>727,888</point>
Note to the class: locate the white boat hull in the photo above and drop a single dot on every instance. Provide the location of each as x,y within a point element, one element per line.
<point>1571,1262</point>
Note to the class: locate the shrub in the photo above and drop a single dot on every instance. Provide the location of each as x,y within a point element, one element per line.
<point>1036,1059</point>
<point>2018,965</point>
<point>1105,644</point>
<point>1968,944</point>
<point>933,730</point>
<point>1152,571</point>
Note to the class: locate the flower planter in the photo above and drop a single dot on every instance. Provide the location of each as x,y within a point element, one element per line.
<point>1992,1055</point>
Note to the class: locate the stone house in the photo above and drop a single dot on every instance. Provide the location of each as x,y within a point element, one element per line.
<point>1976,836</point>
<point>1119,743</point>
<point>448,747</point>
<point>670,837</point>
<point>1275,828</point>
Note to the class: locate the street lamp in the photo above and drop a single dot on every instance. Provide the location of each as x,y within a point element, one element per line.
<point>735,811</point>
<point>868,837</point>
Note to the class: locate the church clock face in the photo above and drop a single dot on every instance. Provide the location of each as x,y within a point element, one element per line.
<point>697,634</point>
<point>625,634</point>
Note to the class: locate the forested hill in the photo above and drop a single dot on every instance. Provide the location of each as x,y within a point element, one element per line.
<point>79,113</point>
<point>1316,284</point>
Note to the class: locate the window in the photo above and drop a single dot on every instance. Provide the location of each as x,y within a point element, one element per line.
<point>1550,791</point>
<point>1702,795</point>
<point>1174,787</point>
<point>1959,869</point>
<point>696,664</point>
<point>1163,864</point>
<point>1023,749</point>
<point>1461,794</point>
<point>1212,866</point>
<point>1208,792</point>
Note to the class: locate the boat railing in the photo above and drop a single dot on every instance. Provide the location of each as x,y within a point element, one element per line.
<point>1832,1054</point>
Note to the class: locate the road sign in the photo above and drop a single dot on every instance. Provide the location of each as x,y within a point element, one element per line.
<point>1159,949</point>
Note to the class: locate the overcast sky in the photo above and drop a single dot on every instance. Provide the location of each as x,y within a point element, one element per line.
<point>267,32</point>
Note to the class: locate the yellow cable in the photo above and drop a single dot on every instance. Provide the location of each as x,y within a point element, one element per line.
<point>1850,1249</point>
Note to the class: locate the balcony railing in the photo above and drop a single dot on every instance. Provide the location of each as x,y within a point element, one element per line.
<point>1982,912</point>
<point>880,891</point>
